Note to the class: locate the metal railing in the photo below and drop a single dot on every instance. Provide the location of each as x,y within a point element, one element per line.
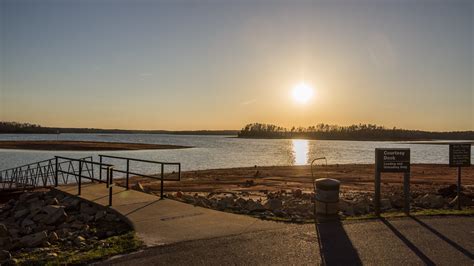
<point>58,171</point>
<point>127,171</point>
<point>317,159</point>
<point>37,174</point>
<point>81,175</point>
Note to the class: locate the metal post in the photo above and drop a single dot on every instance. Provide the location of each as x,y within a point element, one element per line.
<point>161,188</point>
<point>406,192</point>
<point>377,193</point>
<point>459,188</point>
<point>100,168</point>
<point>128,174</point>
<point>80,178</point>
<point>111,170</point>
<point>56,172</point>
<point>92,168</point>
<point>179,172</point>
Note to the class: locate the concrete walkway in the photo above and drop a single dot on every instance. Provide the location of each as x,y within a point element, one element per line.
<point>161,222</point>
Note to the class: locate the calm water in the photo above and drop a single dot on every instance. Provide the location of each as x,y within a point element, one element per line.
<point>223,151</point>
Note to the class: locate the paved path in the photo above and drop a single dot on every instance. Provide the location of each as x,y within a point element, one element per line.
<point>190,235</point>
<point>161,222</point>
<point>407,241</point>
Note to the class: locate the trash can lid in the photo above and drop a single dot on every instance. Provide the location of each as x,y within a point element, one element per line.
<point>327,184</point>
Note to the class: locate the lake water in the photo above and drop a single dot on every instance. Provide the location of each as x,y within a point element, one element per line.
<point>212,152</point>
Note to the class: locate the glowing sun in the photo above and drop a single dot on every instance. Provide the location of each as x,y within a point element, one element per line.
<point>302,92</point>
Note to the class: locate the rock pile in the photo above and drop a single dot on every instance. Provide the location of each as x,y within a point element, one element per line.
<point>43,219</point>
<point>298,206</point>
<point>294,205</point>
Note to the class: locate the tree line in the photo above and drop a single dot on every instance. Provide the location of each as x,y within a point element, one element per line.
<point>352,132</point>
<point>28,128</point>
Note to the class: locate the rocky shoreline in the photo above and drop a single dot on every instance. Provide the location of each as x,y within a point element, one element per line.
<point>52,222</point>
<point>297,205</point>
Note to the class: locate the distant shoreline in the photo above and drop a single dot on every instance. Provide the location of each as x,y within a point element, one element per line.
<point>401,141</point>
<point>54,145</point>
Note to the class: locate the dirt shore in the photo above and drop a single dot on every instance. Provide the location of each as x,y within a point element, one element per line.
<point>53,145</point>
<point>353,177</point>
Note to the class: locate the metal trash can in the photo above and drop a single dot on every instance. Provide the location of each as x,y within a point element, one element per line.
<point>327,196</point>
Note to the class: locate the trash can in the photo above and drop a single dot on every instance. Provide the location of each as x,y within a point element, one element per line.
<point>327,196</point>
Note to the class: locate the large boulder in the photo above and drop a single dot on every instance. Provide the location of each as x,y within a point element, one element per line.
<point>361,207</point>
<point>56,215</point>
<point>87,209</point>
<point>385,204</point>
<point>139,187</point>
<point>188,198</point>
<point>5,243</point>
<point>465,201</point>
<point>346,208</point>
<point>203,202</point>
<point>253,206</point>
<point>5,255</point>
<point>34,240</point>
<point>397,201</point>
<point>431,201</point>
<point>240,203</point>
<point>27,222</point>
<point>449,191</point>
<point>4,231</point>
<point>297,193</point>
<point>21,213</point>
<point>273,204</point>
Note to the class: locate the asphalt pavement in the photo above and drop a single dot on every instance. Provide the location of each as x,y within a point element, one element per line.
<point>402,241</point>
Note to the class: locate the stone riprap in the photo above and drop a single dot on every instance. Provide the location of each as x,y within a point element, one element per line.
<point>297,206</point>
<point>52,221</point>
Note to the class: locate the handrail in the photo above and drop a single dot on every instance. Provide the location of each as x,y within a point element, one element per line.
<point>128,172</point>
<point>35,163</point>
<point>139,160</point>
<point>21,166</point>
<point>317,159</point>
<point>30,174</point>
<point>109,167</point>
<point>82,160</point>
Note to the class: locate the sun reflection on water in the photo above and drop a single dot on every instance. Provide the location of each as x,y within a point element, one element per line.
<point>300,151</point>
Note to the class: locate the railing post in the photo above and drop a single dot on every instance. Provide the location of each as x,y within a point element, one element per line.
<point>56,172</point>
<point>80,178</point>
<point>161,188</point>
<point>110,185</point>
<point>92,168</point>
<point>100,168</point>
<point>128,174</point>
<point>179,172</point>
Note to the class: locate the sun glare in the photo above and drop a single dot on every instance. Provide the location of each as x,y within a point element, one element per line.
<point>302,92</point>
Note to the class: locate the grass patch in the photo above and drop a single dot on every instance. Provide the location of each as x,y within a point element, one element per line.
<point>393,214</point>
<point>426,212</point>
<point>98,250</point>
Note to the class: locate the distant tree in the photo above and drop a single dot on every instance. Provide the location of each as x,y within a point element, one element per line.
<point>352,132</point>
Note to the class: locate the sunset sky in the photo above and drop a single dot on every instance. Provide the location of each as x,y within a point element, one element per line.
<point>222,64</point>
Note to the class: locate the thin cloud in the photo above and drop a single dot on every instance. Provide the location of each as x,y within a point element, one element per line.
<point>145,74</point>
<point>251,101</point>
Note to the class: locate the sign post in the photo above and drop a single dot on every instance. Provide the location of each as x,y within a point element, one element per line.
<point>459,156</point>
<point>392,161</point>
